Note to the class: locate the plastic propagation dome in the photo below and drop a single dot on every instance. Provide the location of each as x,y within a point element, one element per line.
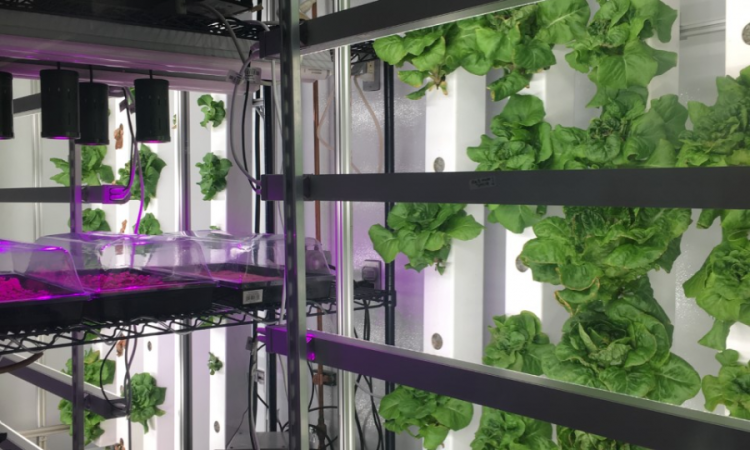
<point>38,286</point>
<point>138,275</point>
<point>253,266</point>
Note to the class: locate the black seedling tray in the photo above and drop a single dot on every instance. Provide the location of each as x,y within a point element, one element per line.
<point>65,308</point>
<point>263,293</point>
<point>179,295</point>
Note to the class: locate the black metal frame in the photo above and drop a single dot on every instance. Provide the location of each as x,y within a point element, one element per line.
<point>643,422</point>
<point>629,419</point>
<point>219,316</point>
<point>58,383</point>
<point>121,12</point>
<point>721,187</point>
<point>381,18</point>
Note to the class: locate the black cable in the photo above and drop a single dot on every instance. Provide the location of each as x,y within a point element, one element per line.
<point>256,162</point>
<point>244,116</point>
<point>312,379</point>
<point>250,383</point>
<point>101,378</point>
<point>239,426</point>
<point>129,389</point>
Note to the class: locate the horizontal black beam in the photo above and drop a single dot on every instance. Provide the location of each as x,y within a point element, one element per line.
<point>641,422</point>
<point>60,384</point>
<point>379,19</point>
<point>91,194</point>
<point>30,104</point>
<point>721,188</point>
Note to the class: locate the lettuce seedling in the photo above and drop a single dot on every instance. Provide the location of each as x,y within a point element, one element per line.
<point>213,171</point>
<point>213,112</point>
<point>433,415</point>
<point>93,171</point>
<point>147,396</point>
<point>423,232</point>
<point>152,166</point>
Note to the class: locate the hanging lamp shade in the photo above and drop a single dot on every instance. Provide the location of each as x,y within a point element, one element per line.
<point>6,106</point>
<point>60,108</point>
<point>152,110</point>
<point>94,103</point>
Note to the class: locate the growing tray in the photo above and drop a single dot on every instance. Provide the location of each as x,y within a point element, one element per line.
<point>172,295</point>
<point>263,292</point>
<point>52,306</point>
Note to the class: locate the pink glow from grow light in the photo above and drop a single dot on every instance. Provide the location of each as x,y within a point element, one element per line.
<point>153,142</point>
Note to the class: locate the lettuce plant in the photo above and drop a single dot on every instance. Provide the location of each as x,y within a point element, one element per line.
<point>213,112</point>
<point>423,232</point>
<point>593,252</point>
<point>93,171</point>
<point>518,40</point>
<point>147,396</point>
<point>614,53</point>
<point>731,388</point>
<point>94,220</point>
<point>722,288</point>
<point>721,133</point>
<point>499,430</point>
<point>523,141</point>
<point>149,225</point>
<point>214,363</point>
<point>433,415</point>
<point>623,345</point>
<point>152,166</point>
<point>517,343</point>
<point>92,368</point>
<point>569,439</point>
<point>213,171</point>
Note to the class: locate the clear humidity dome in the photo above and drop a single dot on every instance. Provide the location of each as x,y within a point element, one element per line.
<point>38,286</point>
<point>133,276</point>
<point>250,269</point>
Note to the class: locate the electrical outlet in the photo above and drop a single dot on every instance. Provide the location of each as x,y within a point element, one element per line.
<point>372,272</point>
<point>371,77</point>
<point>329,378</point>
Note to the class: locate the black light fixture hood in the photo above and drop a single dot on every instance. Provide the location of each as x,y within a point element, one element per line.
<point>152,110</point>
<point>94,105</point>
<point>60,108</point>
<point>6,106</point>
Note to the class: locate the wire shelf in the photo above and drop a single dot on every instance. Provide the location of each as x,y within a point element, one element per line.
<point>219,316</point>
<point>156,14</point>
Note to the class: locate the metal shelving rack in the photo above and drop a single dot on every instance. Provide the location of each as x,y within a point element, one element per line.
<point>92,332</point>
<point>641,422</point>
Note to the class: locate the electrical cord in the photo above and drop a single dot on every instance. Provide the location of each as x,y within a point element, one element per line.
<point>230,30</point>
<point>129,388</point>
<point>21,364</point>
<point>250,386</point>
<point>133,149</point>
<point>101,379</point>
<point>245,64</point>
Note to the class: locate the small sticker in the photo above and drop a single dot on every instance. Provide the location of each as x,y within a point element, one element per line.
<point>482,183</point>
<point>252,297</point>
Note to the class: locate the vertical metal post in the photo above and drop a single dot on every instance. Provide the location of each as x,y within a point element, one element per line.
<point>294,224</point>
<point>269,158</point>
<point>76,226</point>
<point>269,155</point>
<point>390,269</point>
<point>186,340</point>
<point>343,233</point>
<point>183,162</point>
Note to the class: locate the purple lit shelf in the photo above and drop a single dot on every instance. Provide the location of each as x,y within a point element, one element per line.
<point>27,303</point>
<point>217,316</point>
